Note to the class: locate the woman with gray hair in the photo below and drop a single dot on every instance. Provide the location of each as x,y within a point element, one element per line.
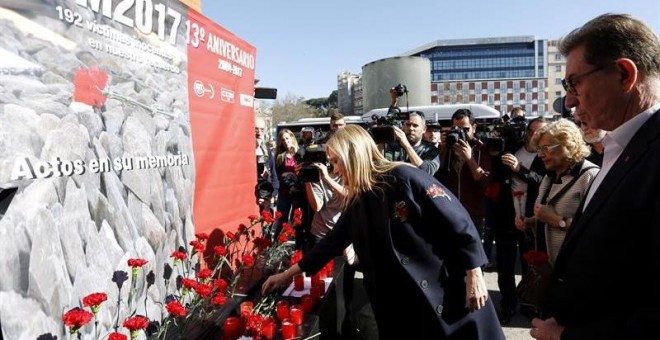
<point>563,150</point>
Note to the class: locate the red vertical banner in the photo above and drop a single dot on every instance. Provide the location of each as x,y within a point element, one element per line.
<point>221,92</point>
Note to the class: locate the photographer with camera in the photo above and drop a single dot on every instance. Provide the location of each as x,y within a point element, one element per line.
<point>466,165</point>
<point>409,146</point>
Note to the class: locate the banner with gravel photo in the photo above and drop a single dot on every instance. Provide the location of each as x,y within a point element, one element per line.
<point>101,119</point>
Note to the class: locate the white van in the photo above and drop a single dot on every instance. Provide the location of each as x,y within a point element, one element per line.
<point>320,125</point>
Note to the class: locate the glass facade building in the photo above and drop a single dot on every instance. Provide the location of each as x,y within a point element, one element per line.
<point>501,72</point>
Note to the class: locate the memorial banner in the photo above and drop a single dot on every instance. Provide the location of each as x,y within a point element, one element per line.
<point>117,117</point>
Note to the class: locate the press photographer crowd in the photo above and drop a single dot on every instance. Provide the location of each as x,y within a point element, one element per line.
<point>406,198</point>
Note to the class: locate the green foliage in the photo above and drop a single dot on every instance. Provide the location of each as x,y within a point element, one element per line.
<point>333,100</point>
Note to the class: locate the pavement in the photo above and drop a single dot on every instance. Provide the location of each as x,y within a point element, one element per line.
<point>518,328</point>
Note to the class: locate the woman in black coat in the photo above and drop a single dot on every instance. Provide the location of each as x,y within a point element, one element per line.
<point>420,252</point>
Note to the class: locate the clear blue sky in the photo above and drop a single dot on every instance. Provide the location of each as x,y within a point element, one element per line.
<point>303,44</point>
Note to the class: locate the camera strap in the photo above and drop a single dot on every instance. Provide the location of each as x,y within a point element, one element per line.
<point>555,198</point>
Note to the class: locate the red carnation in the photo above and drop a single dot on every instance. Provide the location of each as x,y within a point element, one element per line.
<point>536,258</point>
<point>179,255</point>
<point>203,290</point>
<point>137,262</point>
<point>253,218</point>
<point>197,245</point>
<point>220,250</point>
<point>204,273</point>
<point>175,308</point>
<point>117,336</point>
<point>297,213</point>
<point>94,300</point>
<point>248,260</point>
<point>296,257</point>
<point>188,283</point>
<point>135,324</point>
<point>219,299</point>
<point>278,214</point>
<point>202,236</point>
<point>76,318</point>
<point>221,284</point>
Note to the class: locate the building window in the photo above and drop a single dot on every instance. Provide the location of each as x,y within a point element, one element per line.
<point>557,68</point>
<point>558,94</point>
<point>558,56</point>
<point>557,81</point>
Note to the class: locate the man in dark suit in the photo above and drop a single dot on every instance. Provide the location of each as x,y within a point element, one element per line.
<point>604,284</point>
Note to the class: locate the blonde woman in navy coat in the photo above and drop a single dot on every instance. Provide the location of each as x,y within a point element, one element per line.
<point>421,254</point>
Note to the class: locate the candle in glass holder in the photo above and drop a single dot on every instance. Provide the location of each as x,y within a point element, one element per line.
<point>296,314</point>
<point>316,292</point>
<point>246,308</point>
<point>268,328</point>
<point>232,328</point>
<point>288,329</point>
<point>299,282</point>
<point>307,303</point>
<point>321,285</point>
<point>282,309</point>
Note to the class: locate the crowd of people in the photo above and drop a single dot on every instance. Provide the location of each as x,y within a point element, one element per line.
<point>418,215</point>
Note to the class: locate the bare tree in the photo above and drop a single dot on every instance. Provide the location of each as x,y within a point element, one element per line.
<point>292,108</point>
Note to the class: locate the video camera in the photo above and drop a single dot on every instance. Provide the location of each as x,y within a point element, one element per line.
<point>314,153</point>
<point>383,132</point>
<point>307,135</point>
<point>510,135</point>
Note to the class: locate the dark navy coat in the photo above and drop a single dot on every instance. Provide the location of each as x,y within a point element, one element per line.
<point>605,280</point>
<point>414,241</point>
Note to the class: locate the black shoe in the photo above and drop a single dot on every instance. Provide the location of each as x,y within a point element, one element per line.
<point>505,316</point>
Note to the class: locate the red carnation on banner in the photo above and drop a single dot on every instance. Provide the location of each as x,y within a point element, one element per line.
<point>88,85</point>
<point>117,336</point>
<point>76,318</point>
<point>175,308</point>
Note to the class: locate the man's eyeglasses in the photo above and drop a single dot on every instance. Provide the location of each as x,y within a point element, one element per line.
<point>546,148</point>
<point>569,83</point>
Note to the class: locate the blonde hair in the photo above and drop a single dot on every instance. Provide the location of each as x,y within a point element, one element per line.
<point>280,150</point>
<point>567,134</point>
<point>361,160</point>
